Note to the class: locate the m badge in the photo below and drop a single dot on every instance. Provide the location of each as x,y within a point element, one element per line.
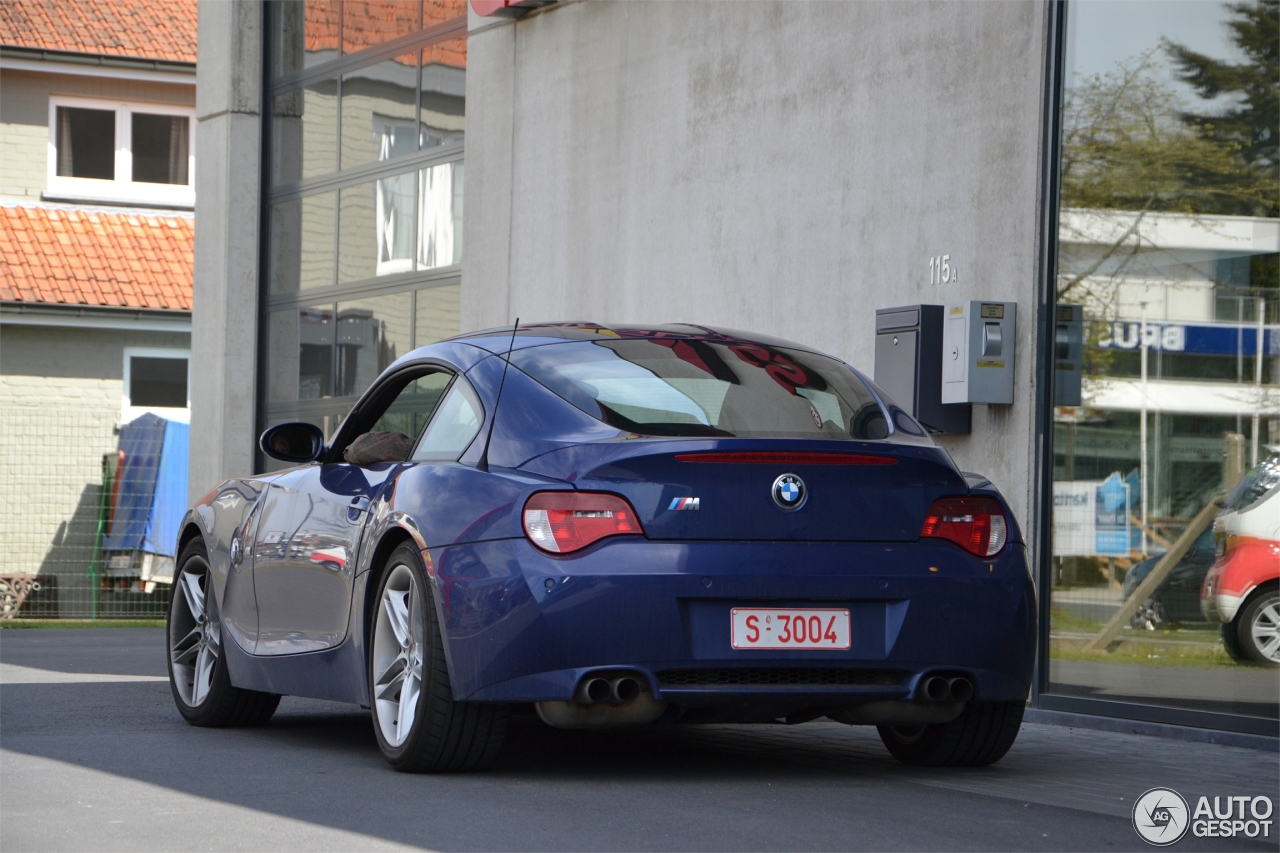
<point>683,503</point>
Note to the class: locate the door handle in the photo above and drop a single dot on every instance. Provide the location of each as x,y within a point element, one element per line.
<point>356,508</point>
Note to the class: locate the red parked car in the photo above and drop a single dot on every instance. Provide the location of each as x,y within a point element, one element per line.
<point>1242,589</point>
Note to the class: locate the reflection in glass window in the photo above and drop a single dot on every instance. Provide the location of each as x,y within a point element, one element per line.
<point>304,33</point>
<point>1168,241</point>
<point>437,314</point>
<point>395,202</point>
<point>302,243</point>
<point>305,132</point>
<point>413,406</point>
<point>454,426</point>
<point>444,89</point>
<point>366,23</point>
<point>440,215</point>
<point>371,333</point>
<point>376,100</point>
<point>315,353</point>
<point>670,386</point>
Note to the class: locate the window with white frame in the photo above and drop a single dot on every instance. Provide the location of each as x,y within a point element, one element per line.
<point>129,152</point>
<point>156,381</point>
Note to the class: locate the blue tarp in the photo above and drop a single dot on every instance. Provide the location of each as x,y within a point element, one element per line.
<point>152,491</point>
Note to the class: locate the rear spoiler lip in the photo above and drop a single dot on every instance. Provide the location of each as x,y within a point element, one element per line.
<point>616,450</point>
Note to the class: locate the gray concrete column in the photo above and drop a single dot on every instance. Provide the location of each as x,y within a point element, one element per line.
<point>225,312</point>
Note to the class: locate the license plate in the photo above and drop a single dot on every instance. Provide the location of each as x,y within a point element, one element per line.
<point>789,628</point>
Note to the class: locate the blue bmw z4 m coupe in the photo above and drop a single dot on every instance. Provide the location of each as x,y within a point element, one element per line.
<point>610,527</point>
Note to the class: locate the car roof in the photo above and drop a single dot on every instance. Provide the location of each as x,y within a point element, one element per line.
<point>541,334</point>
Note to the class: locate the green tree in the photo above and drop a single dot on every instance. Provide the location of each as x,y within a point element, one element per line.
<point>1253,120</point>
<point>1126,147</point>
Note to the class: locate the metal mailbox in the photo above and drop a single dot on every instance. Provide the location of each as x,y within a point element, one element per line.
<point>909,366</point>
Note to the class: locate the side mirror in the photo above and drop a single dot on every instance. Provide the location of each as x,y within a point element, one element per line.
<point>293,442</point>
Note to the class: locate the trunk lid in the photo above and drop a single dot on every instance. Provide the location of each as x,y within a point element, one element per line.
<point>724,489</point>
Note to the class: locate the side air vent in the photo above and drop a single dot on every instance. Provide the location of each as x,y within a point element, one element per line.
<point>779,677</point>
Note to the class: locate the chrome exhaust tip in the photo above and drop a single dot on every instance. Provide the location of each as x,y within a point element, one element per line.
<point>936,689</point>
<point>593,691</point>
<point>624,690</point>
<point>961,689</point>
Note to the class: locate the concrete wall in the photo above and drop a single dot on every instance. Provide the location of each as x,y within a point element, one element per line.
<point>224,332</point>
<point>60,398</point>
<point>780,167</point>
<point>24,118</point>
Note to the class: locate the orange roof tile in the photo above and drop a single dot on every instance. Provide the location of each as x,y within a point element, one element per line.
<point>91,257</point>
<point>139,29</point>
<point>365,23</point>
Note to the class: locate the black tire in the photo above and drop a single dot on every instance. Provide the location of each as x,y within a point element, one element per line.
<point>1231,643</point>
<point>981,735</point>
<point>445,736</point>
<point>222,705</point>
<point>1260,612</point>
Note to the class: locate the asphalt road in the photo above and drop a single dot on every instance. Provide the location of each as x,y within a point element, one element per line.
<point>93,756</point>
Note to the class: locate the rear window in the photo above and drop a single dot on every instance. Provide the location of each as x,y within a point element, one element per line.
<point>678,387</point>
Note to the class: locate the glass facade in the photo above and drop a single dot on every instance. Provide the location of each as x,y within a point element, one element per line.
<point>364,202</point>
<point>1167,354</point>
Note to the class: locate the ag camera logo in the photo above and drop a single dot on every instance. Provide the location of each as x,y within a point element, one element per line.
<point>1160,817</point>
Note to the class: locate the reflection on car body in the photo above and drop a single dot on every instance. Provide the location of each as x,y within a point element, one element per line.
<point>523,551</point>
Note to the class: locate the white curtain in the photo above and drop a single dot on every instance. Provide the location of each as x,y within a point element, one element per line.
<point>179,139</point>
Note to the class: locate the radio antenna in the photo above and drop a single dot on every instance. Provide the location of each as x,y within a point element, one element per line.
<point>483,464</point>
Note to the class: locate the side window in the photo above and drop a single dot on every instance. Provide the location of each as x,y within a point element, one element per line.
<point>453,428</point>
<point>413,406</point>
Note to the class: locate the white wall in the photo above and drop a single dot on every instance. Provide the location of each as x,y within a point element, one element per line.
<point>779,167</point>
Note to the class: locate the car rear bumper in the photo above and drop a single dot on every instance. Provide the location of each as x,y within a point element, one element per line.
<point>1235,575</point>
<point>524,626</point>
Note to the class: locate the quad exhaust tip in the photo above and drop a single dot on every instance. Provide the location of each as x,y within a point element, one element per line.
<point>938,689</point>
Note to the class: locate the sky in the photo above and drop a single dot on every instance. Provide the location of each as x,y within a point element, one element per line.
<point>1100,33</point>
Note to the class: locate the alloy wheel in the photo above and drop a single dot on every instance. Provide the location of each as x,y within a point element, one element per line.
<point>1265,630</point>
<point>398,656</point>
<point>195,637</point>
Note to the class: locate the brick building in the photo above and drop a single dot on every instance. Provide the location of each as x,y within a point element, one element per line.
<point>97,104</point>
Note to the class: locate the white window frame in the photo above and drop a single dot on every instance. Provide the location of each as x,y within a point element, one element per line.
<point>128,411</point>
<point>123,188</point>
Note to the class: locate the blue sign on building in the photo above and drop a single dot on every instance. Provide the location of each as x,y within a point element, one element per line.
<point>1216,339</point>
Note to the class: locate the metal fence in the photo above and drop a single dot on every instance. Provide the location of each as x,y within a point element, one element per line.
<point>60,467</point>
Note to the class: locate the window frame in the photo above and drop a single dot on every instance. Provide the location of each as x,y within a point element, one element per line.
<point>128,411</point>
<point>122,188</point>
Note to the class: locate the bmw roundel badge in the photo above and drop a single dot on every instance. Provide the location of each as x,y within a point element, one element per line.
<point>789,492</point>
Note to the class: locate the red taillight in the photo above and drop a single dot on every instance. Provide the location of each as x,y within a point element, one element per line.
<point>975,524</point>
<point>561,522</point>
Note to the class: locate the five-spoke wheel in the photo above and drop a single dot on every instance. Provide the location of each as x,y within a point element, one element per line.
<point>397,655</point>
<point>194,637</point>
<point>419,725</point>
<point>202,689</point>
